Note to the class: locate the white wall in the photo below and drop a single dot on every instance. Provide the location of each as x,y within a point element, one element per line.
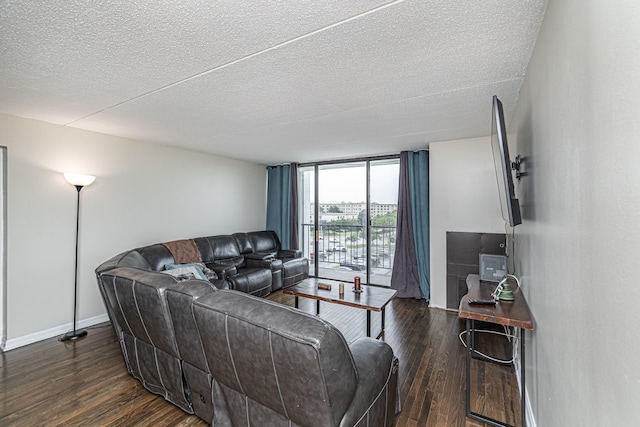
<point>578,249</point>
<point>143,194</point>
<point>3,249</point>
<point>463,197</point>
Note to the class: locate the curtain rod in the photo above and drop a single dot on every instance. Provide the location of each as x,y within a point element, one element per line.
<point>357,159</point>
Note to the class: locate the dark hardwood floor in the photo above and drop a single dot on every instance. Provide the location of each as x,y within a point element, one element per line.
<point>86,383</point>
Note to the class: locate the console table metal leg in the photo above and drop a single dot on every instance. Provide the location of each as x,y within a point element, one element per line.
<point>296,302</point>
<point>470,350</point>
<point>468,368</point>
<point>318,308</point>
<point>368,323</point>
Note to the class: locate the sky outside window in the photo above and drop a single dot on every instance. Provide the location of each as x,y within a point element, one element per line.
<point>348,184</point>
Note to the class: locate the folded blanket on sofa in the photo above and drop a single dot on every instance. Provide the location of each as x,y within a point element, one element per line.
<point>183,251</point>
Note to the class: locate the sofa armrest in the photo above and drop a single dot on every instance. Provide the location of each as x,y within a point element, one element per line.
<point>289,253</point>
<point>223,270</point>
<point>377,383</point>
<point>271,264</point>
<point>260,255</point>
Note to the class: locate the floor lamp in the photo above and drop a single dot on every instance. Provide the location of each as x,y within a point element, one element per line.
<point>79,181</point>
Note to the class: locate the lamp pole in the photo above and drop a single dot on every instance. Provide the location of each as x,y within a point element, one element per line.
<point>78,181</point>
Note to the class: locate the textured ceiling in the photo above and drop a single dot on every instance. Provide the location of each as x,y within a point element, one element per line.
<point>268,81</point>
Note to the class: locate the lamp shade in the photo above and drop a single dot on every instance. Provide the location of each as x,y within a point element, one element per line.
<point>79,179</point>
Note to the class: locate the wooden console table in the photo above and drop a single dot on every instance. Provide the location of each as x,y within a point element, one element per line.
<point>508,313</point>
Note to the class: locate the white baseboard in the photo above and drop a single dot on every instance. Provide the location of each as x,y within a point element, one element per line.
<point>531,421</point>
<point>49,333</point>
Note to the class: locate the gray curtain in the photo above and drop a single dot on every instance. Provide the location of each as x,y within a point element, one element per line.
<point>278,202</point>
<point>410,276</point>
<point>294,234</point>
<point>282,203</point>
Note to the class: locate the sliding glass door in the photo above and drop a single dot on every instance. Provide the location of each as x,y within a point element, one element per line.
<point>342,190</point>
<point>307,214</point>
<point>383,206</point>
<point>348,213</point>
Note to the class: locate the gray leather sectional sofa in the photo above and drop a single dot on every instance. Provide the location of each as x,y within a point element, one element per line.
<point>214,348</point>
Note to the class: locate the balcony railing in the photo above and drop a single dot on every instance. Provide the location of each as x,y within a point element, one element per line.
<point>344,247</point>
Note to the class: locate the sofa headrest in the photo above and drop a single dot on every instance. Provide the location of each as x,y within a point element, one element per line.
<point>131,258</point>
<point>296,364</point>
<point>244,243</point>
<point>158,256</point>
<point>264,241</point>
<point>217,247</point>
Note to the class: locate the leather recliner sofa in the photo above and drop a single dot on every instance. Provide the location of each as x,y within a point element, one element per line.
<point>153,316</point>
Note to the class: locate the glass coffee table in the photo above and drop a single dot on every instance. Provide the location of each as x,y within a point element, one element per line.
<point>372,298</point>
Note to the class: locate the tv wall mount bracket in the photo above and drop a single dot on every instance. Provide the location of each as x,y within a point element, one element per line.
<point>517,165</point>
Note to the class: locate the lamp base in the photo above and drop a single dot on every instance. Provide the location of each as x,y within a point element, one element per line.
<point>73,335</point>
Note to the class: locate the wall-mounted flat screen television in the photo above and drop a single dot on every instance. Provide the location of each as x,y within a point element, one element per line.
<point>502,161</point>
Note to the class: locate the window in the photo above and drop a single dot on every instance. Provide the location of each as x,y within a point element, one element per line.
<point>348,214</point>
